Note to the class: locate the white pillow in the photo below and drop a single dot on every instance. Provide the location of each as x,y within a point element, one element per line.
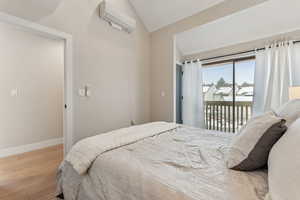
<point>284,166</point>
<point>251,147</point>
<point>290,111</point>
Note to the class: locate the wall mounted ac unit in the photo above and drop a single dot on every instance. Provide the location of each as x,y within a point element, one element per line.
<point>116,18</point>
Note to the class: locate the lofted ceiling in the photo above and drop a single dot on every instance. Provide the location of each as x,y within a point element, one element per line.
<point>29,9</point>
<point>159,13</point>
<point>274,17</point>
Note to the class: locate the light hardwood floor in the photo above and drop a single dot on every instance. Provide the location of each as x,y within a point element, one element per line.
<point>30,176</point>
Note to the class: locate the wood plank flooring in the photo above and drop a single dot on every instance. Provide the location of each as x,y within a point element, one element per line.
<point>30,176</point>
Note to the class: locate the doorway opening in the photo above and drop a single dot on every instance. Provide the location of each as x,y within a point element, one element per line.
<point>36,109</point>
<point>228,91</point>
<point>36,69</point>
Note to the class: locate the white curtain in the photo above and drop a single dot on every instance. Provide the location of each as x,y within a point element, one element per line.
<point>192,103</point>
<point>273,77</point>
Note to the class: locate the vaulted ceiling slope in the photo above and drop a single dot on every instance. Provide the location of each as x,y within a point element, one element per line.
<point>29,9</point>
<point>265,20</point>
<point>159,13</point>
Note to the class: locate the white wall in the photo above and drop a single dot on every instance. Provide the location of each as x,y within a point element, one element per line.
<point>178,54</point>
<point>34,67</point>
<point>262,21</point>
<point>114,63</point>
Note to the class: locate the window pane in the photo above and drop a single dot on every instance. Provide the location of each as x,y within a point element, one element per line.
<point>218,97</point>
<point>244,80</point>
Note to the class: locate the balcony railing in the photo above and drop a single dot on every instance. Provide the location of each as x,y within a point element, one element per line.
<point>223,116</point>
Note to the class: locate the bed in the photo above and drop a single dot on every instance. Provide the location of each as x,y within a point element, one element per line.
<point>179,164</point>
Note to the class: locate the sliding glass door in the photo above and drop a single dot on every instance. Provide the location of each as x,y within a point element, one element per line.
<point>228,93</point>
<point>218,96</point>
<point>244,82</point>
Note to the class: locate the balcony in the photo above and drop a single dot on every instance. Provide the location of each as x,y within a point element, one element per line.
<point>227,116</point>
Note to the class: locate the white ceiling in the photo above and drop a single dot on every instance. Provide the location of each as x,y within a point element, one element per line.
<point>159,13</point>
<point>262,21</point>
<point>29,9</point>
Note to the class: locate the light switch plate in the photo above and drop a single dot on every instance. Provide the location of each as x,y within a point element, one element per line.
<point>88,93</point>
<point>14,92</point>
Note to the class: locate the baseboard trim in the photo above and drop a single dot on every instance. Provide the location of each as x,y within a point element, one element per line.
<point>29,147</point>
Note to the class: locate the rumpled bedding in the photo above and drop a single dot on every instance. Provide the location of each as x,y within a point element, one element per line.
<point>85,152</point>
<point>181,164</point>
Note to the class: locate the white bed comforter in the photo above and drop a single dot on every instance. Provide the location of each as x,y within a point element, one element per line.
<point>85,152</point>
<point>182,164</point>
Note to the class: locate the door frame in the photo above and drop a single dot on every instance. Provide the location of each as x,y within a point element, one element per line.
<point>179,76</point>
<point>68,131</point>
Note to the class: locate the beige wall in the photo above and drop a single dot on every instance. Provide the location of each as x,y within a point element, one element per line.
<point>32,67</point>
<point>112,61</point>
<point>115,64</point>
<point>162,54</point>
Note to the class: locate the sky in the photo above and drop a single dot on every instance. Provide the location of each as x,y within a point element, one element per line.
<point>244,73</point>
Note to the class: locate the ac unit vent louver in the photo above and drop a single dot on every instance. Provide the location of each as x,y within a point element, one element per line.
<point>116,19</point>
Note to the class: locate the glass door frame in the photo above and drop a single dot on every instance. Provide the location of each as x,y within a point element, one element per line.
<point>233,61</point>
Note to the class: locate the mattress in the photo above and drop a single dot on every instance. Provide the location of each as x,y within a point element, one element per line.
<point>182,164</point>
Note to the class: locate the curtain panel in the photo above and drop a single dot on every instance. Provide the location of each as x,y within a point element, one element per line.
<point>273,76</point>
<point>192,103</point>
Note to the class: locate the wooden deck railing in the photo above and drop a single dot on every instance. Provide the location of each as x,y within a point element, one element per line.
<point>223,116</point>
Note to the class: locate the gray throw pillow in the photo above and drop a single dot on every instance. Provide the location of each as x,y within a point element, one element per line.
<point>250,149</point>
